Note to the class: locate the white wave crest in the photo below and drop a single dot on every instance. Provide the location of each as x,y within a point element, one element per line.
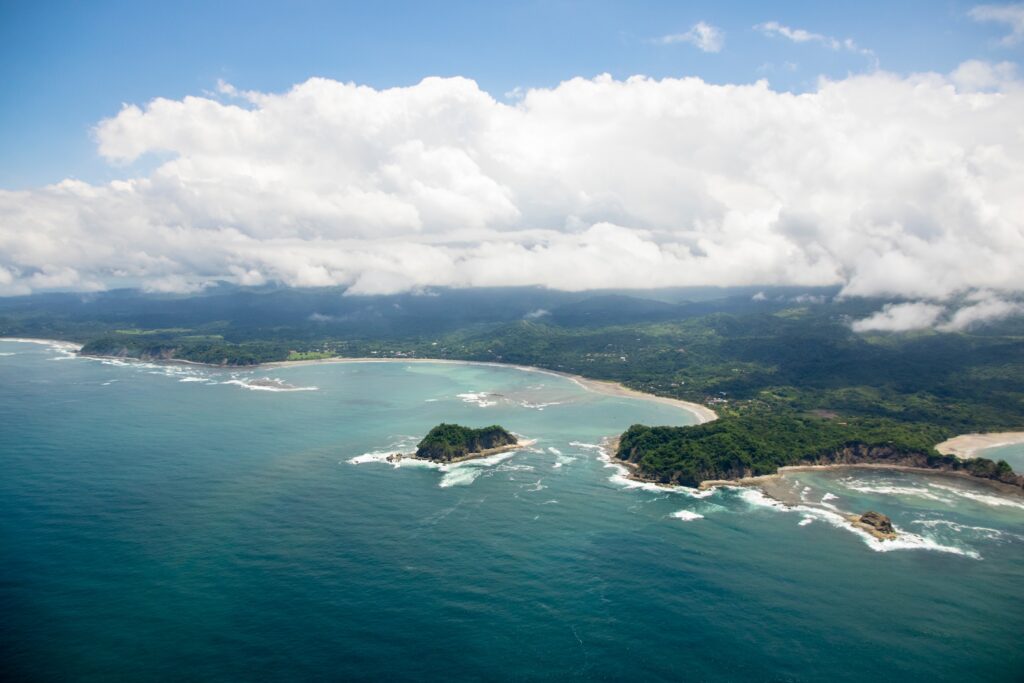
<point>984,531</point>
<point>904,541</point>
<point>894,490</point>
<point>274,385</point>
<point>465,473</point>
<point>481,399</point>
<point>686,515</point>
<point>983,498</point>
<point>539,406</point>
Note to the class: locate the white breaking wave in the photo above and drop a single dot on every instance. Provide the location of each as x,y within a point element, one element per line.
<point>893,490</point>
<point>983,498</point>
<point>687,515</point>
<point>991,534</point>
<point>539,406</point>
<point>554,451</point>
<point>275,385</point>
<point>8,353</point>
<point>465,473</point>
<point>904,541</point>
<point>481,399</point>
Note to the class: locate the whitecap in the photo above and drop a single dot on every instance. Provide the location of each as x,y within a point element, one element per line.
<point>985,499</point>
<point>757,498</point>
<point>554,451</point>
<point>539,406</point>
<point>893,490</point>
<point>687,515</point>
<point>987,532</point>
<point>465,473</point>
<point>479,398</point>
<point>373,456</point>
<point>274,385</point>
<point>590,446</point>
<point>904,541</point>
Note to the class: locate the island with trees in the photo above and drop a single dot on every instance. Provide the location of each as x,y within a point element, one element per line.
<point>453,443</point>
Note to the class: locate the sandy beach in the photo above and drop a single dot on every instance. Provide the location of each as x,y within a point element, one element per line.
<point>703,413</point>
<point>968,445</point>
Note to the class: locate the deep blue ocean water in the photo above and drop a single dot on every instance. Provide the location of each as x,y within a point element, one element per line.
<point>175,523</point>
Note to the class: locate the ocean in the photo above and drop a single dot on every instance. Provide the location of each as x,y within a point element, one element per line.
<point>176,522</point>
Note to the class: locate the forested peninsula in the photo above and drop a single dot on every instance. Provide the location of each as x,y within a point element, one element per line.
<point>731,450</point>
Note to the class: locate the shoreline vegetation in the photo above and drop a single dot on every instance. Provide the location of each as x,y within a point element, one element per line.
<point>962,447</point>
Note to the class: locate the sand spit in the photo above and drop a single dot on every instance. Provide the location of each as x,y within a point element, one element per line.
<point>968,445</point>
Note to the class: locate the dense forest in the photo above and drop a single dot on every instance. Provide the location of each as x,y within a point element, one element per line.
<point>733,447</point>
<point>447,442</point>
<point>782,367</point>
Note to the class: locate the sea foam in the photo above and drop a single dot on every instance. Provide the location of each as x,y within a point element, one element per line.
<point>904,541</point>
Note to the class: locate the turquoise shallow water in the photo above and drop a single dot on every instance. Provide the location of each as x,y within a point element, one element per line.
<point>159,523</point>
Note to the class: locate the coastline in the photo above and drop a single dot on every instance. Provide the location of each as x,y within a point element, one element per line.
<point>598,386</point>
<point>771,483</point>
<point>48,342</point>
<point>968,445</point>
<point>963,446</point>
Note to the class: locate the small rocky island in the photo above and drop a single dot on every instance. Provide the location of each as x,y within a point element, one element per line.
<point>452,443</point>
<point>876,524</point>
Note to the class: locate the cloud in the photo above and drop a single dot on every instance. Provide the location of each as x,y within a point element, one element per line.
<point>888,186</point>
<point>702,35</point>
<point>1011,15</point>
<point>536,314</point>
<point>985,311</point>
<point>974,75</point>
<point>799,35</point>
<point>900,318</point>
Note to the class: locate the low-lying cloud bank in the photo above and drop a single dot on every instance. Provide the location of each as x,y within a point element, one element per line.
<point>894,186</point>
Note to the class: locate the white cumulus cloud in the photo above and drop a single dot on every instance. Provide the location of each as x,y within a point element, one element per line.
<point>1010,15</point>
<point>702,35</point>
<point>984,311</point>
<point>887,185</point>
<point>901,318</point>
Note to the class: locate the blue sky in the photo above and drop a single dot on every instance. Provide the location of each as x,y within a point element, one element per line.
<point>67,65</point>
